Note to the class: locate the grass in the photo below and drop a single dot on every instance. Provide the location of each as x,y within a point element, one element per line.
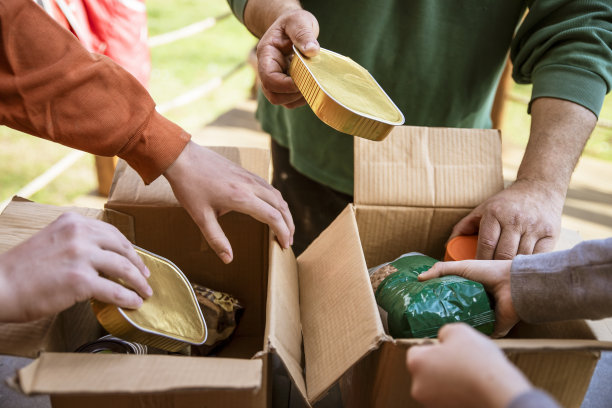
<point>180,66</point>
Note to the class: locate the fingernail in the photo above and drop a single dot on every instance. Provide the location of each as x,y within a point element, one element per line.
<point>136,301</point>
<point>147,272</point>
<point>310,45</point>
<point>149,291</point>
<point>225,257</point>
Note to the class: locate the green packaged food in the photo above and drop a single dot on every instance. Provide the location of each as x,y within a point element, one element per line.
<point>418,309</point>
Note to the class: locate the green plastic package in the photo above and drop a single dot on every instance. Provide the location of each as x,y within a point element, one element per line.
<point>419,309</point>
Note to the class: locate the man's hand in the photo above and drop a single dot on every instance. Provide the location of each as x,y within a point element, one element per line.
<point>465,369</point>
<point>524,218</point>
<point>297,27</point>
<point>494,276</point>
<point>66,262</point>
<point>208,185</point>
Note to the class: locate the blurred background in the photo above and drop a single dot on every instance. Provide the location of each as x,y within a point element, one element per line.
<point>201,78</point>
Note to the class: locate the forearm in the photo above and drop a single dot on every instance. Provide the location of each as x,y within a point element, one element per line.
<point>51,87</point>
<point>260,14</point>
<point>559,131</point>
<point>533,399</point>
<point>572,284</point>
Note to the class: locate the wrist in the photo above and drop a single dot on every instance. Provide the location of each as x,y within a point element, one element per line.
<point>555,188</point>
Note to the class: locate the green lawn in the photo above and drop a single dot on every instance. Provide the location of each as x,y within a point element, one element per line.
<point>179,67</point>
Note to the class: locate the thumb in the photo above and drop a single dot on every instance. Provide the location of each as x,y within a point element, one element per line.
<point>437,270</point>
<point>303,30</point>
<point>468,225</point>
<point>215,236</point>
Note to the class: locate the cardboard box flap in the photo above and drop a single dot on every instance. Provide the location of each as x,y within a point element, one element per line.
<point>340,319</point>
<point>429,167</point>
<point>510,345</point>
<point>283,319</point>
<point>74,373</point>
<point>128,187</point>
<point>22,219</point>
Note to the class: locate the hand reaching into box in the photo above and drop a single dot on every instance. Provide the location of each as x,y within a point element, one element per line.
<point>208,185</point>
<point>66,262</point>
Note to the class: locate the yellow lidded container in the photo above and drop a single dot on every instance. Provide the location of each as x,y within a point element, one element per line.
<point>344,95</point>
<point>167,320</point>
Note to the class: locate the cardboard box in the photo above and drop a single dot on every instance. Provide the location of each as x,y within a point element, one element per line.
<point>410,190</point>
<point>262,276</point>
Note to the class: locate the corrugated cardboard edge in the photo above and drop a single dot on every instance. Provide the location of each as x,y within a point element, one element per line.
<point>285,337</point>
<point>159,191</point>
<point>424,167</point>
<point>337,332</point>
<point>73,373</point>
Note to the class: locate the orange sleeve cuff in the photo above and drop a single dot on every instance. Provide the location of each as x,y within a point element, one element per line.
<point>155,146</point>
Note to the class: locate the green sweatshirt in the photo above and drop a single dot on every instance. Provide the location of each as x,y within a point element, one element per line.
<point>440,61</point>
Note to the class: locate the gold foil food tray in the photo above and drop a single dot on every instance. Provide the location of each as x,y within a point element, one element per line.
<point>325,103</point>
<point>167,320</point>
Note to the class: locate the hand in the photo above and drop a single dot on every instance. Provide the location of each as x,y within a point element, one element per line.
<point>494,276</point>
<point>524,218</point>
<point>67,262</point>
<point>297,27</point>
<point>208,185</point>
<point>465,369</point>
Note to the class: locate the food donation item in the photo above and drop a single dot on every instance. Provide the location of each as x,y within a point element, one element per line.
<point>222,313</point>
<point>344,95</point>
<point>410,308</point>
<point>167,320</point>
<point>461,248</point>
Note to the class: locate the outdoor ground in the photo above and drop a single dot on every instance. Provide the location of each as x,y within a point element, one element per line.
<point>225,117</point>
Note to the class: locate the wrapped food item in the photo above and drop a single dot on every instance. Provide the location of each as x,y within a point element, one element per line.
<point>410,308</point>
<point>222,313</point>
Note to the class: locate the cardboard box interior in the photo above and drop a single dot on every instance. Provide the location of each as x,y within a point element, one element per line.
<point>152,219</point>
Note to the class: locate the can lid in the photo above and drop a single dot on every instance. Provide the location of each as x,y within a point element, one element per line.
<point>461,248</point>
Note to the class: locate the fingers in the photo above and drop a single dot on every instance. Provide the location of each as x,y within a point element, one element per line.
<point>454,330</point>
<point>110,292</point>
<point>508,243</point>
<point>527,244</point>
<point>115,266</point>
<point>303,30</point>
<point>546,244</point>
<point>488,237</point>
<point>215,236</point>
<point>268,214</point>
<point>115,241</point>
<point>274,198</point>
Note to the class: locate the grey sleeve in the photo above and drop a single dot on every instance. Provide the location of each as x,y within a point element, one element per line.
<point>564,285</point>
<point>533,399</point>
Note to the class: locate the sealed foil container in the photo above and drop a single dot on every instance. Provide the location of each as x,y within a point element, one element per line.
<point>169,320</point>
<point>344,95</point>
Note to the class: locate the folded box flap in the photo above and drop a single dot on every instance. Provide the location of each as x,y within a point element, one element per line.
<point>340,319</point>
<point>22,219</point>
<point>525,345</point>
<point>283,318</point>
<point>128,187</point>
<point>73,373</point>
<point>429,167</point>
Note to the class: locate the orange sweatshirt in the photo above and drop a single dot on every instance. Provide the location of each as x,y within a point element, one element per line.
<point>51,87</point>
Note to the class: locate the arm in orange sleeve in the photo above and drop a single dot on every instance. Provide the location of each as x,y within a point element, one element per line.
<point>51,87</point>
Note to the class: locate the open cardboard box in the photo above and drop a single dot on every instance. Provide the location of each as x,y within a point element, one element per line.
<point>409,191</point>
<point>262,276</point>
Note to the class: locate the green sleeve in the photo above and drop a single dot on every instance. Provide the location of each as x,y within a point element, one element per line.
<point>564,47</point>
<point>238,7</point>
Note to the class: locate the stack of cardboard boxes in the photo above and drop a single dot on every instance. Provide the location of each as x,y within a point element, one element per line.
<point>315,314</point>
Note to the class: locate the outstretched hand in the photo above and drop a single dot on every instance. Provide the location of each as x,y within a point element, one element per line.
<point>494,276</point>
<point>297,27</point>
<point>208,186</point>
<point>67,262</point>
